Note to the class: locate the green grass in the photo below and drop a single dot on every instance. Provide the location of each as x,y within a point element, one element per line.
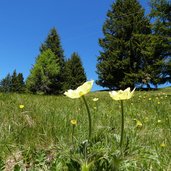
<point>39,137</point>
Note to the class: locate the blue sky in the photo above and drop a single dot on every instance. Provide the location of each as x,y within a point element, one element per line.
<point>25,24</point>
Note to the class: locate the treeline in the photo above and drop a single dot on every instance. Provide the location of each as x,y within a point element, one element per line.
<point>13,83</point>
<point>51,73</point>
<point>136,51</point>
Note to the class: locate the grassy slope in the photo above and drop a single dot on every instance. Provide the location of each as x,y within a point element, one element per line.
<point>44,123</point>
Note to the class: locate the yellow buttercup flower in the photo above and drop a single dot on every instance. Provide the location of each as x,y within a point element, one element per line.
<point>122,95</point>
<point>21,106</point>
<point>159,121</point>
<point>80,91</point>
<point>95,99</point>
<point>138,123</point>
<point>162,145</point>
<point>74,122</point>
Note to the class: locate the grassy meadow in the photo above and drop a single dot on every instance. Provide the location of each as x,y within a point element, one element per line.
<point>40,136</point>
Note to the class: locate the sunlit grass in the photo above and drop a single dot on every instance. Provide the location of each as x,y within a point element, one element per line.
<point>43,129</point>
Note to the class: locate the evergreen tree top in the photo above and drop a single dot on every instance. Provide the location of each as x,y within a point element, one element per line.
<point>53,43</point>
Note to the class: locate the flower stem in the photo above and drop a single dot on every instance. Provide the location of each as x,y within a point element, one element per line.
<point>73,134</point>
<point>122,124</point>
<point>89,116</point>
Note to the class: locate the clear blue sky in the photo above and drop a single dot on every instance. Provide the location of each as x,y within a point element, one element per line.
<point>25,24</point>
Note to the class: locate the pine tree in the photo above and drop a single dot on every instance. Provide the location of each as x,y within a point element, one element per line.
<point>53,43</point>
<point>14,82</point>
<point>74,72</point>
<point>44,73</point>
<point>121,62</point>
<point>5,84</point>
<point>161,15</point>
<point>20,83</point>
<point>46,76</point>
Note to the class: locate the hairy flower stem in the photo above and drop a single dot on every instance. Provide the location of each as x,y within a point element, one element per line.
<point>122,124</point>
<point>89,115</point>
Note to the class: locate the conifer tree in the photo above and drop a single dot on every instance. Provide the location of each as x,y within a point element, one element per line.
<point>53,43</point>
<point>17,82</point>
<point>5,84</point>
<point>44,73</point>
<point>161,15</point>
<point>13,83</point>
<point>121,62</point>
<point>74,72</point>
<point>46,76</point>
<point>21,83</point>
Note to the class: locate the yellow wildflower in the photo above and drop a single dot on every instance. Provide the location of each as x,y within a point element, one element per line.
<point>121,95</point>
<point>80,91</point>
<point>138,123</point>
<point>159,121</point>
<point>149,99</point>
<point>74,122</point>
<point>162,145</point>
<point>21,106</point>
<point>95,99</point>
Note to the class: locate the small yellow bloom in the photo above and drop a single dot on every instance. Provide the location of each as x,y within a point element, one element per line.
<point>80,91</point>
<point>74,122</point>
<point>95,108</point>
<point>158,102</point>
<point>121,95</point>
<point>159,121</point>
<point>95,99</point>
<point>138,123</point>
<point>21,106</point>
<point>149,99</point>
<point>162,145</point>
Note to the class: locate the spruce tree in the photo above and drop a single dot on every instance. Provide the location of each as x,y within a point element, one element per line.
<point>74,72</point>
<point>121,59</point>
<point>14,82</point>
<point>44,73</point>
<point>53,43</point>
<point>46,76</point>
<point>5,84</point>
<point>161,16</point>
<point>21,83</point>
